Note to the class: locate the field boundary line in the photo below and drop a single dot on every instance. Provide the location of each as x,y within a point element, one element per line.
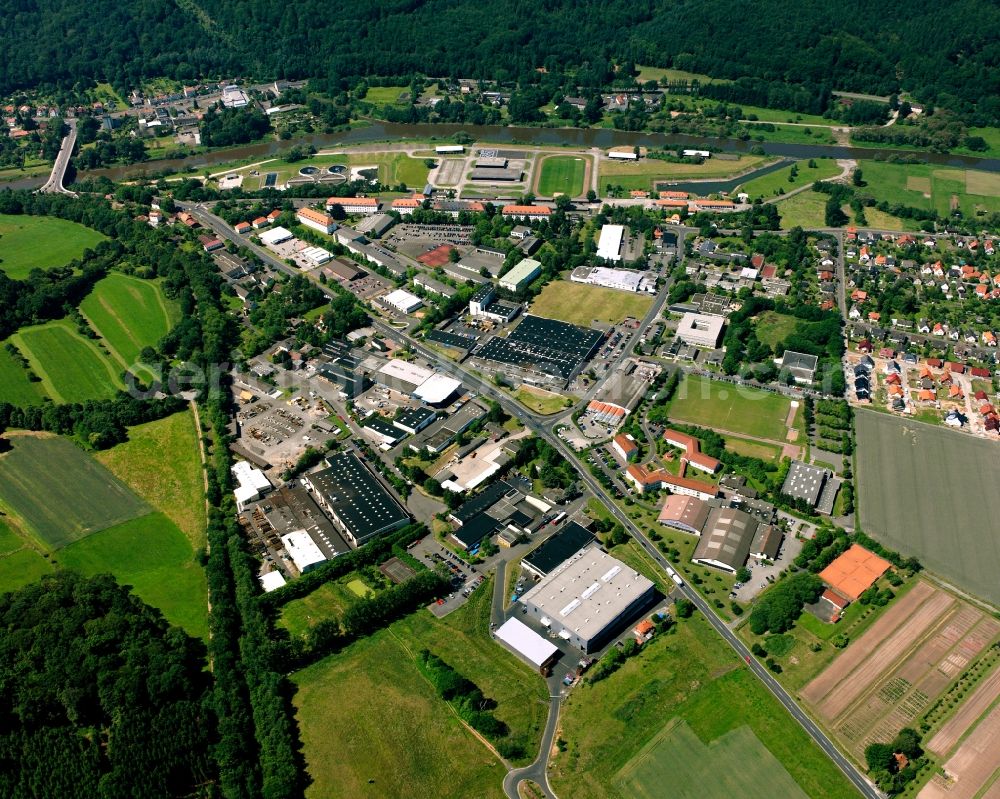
<point>944,585</point>
<point>47,385</point>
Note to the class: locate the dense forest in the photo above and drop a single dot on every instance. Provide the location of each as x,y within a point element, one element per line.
<point>99,696</point>
<point>945,53</point>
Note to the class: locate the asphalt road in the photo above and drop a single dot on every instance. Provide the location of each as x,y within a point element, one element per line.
<point>541,427</point>
<point>54,185</point>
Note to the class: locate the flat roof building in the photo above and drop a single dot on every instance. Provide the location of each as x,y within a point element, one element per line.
<point>527,643</point>
<point>684,513</point>
<point>609,245</point>
<point>358,502</point>
<point>275,236</point>
<point>589,598</point>
<point>271,581</point>
<point>726,539</point>
<point>556,550</point>
<point>620,279</point>
<point>253,484</point>
<point>805,482</point>
<point>521,275</point>
<point>700,330</point>
<point>302,550</point>
<point>403,301</point>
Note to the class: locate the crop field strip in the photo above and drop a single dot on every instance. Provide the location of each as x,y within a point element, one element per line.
<point>979,701</point>
<point>128,313</point>
<point>972,765</point>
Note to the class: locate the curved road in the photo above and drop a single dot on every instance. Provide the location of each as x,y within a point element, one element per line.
<point>543,427</point>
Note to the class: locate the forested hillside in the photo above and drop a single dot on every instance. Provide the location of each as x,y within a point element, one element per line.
<point>945,52</point>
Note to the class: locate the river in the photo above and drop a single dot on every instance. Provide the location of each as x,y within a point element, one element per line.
<point>583,138</point>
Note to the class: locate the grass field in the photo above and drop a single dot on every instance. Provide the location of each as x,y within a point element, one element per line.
<point>753,449</point>
<point>735,764</point>
<point>903,503</point>
<point>328,602</point>
<point>541,401</point>
<point>561,174</point>
<point>772,327</point>
<point>693,677</point>
<point>768,185</point>
<point>910,184</point>
<point>129,313</point>
<point>656,73</point>
<point>60,492</point>
<point>792,134</point>
<point>153,556</point>
<point>805,210</point>
<point>367,712</point>
<point>15,387</point>
<point>581,304</point>
<point>72,368</point>
<point>41,242</point>
<point>644,173</point>
<point>721,406</point>
<point>161,463</point>
<point>386,95</point>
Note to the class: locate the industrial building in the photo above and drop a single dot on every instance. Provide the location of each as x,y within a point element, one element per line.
<point>623,155</point>
<point>271,581</point>
<point>589,598</point>
<point>700,330</point>
<point>376,226</point>
<point>275,236</point>
<point>521,275</point>
<point>485,305</point>
<point>557,550</point>
<point>449,149</point>
<point>253,484</point>
<point>437,436</point>
<point>528,644</point>
<point>358,502</point>
<point>316,255</point>
<point>316,220</point>
<point>684,513</point>
<point>609,245</point>
<point>726,539</point>
<point>302,550</point>
<point>418,381</point>
<point>805,482</point>
<point>403,301</point>
<point>620,279</point>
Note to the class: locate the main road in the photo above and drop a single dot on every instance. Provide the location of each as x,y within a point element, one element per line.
<point>544,428</point>
<point>54,185</point>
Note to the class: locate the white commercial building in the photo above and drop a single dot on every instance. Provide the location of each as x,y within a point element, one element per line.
<point>271,581</point>
<point>275,236</point>
<point>417,381</point>
<point>253,484</point>
<point>609,245</point>
<point>403,301</point>
<point>302,550</point>
<point>620,279</point>
<point>521,275</point>
<point>700,330</point>
<point>316,255</point>
<point>446,149</point>
<point>697,154</point>
<point>527,643</point>
<point>623,155</point>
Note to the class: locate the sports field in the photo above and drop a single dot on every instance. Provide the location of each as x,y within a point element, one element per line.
<point>769,185</point>
<point>161,463</point>
<point>736,764</point>
<point>724,406</point>
<point>153,556</point>
<point>72,368</point>
<point>407,739</point>
<point>582,305</point>
<point>41,242</point>
<point>693,679</point>
<point>561,174</point>
<point>129,313</point>
<point>60,492</point>
<point>642,174</point>
<point>15,387</point>
<point>905,502</point>
<point>932,186</point>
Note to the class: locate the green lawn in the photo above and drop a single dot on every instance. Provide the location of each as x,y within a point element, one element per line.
<point>161,463</point>
<point>72,368</point>
<point>60,492</point>
<point>582,304</point>
<point>769,185</point>
<point>656,73</point>
<point>20,568</point>
<point>393,167</point>
<point>792,134</point>
<point>15,387</point>
<point>540,400</point>
<point>642,174</point>
<point>735,764</point>
<point>561,174</point>
<point>693,677</point>
<point>152,555</point>
<point>778,115</point>
<point>753,449</point>
<point>326,603</point>
<point>723,406</point>
<point>129,313</point>
<point>910,184</point>
<point>772,327</point>
<point>41,242</point>
<point>368,713</point>
<point>387,95</point>
<point>805,210</point>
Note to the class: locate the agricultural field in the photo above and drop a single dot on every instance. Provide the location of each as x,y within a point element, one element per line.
<point>41,242</point>
<point>20,562</point>
<point>15,387</point>
<point>804,210</point>
<point>891,675</point>
<point>562,174</point>
<point>129,313</point>
<point>153,556</point>
<point>644,173</point>
<point>931,186</point>
<point>735,764</point>
<point>903,504</point>
<point>727,407</point>
<point>692,684</point>
<point>581,304</point>
<point>161,463</point>
<point>345,748</point>
<point>72,368</point>
<point>781,181</point>
<point>57,511</point>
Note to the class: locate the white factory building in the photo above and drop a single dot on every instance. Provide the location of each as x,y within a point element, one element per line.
<point>252,484</point>
<point>621,279</point>
<point>403,301</point>
<point>275,236</point>
<point>609,245</point>
<point>417,381</point>
<point>302,550</point>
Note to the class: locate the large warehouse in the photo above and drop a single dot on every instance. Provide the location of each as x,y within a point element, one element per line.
<point>302,550</point>
<point>588,599</point>
<point>354,497</point>
<point>609,245</point>
<point>726,539</point>
<point>521,275</point>
<point>417,381</point>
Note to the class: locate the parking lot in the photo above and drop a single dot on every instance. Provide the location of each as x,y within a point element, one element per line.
<point>762,576</point>
<point>465,578</point>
